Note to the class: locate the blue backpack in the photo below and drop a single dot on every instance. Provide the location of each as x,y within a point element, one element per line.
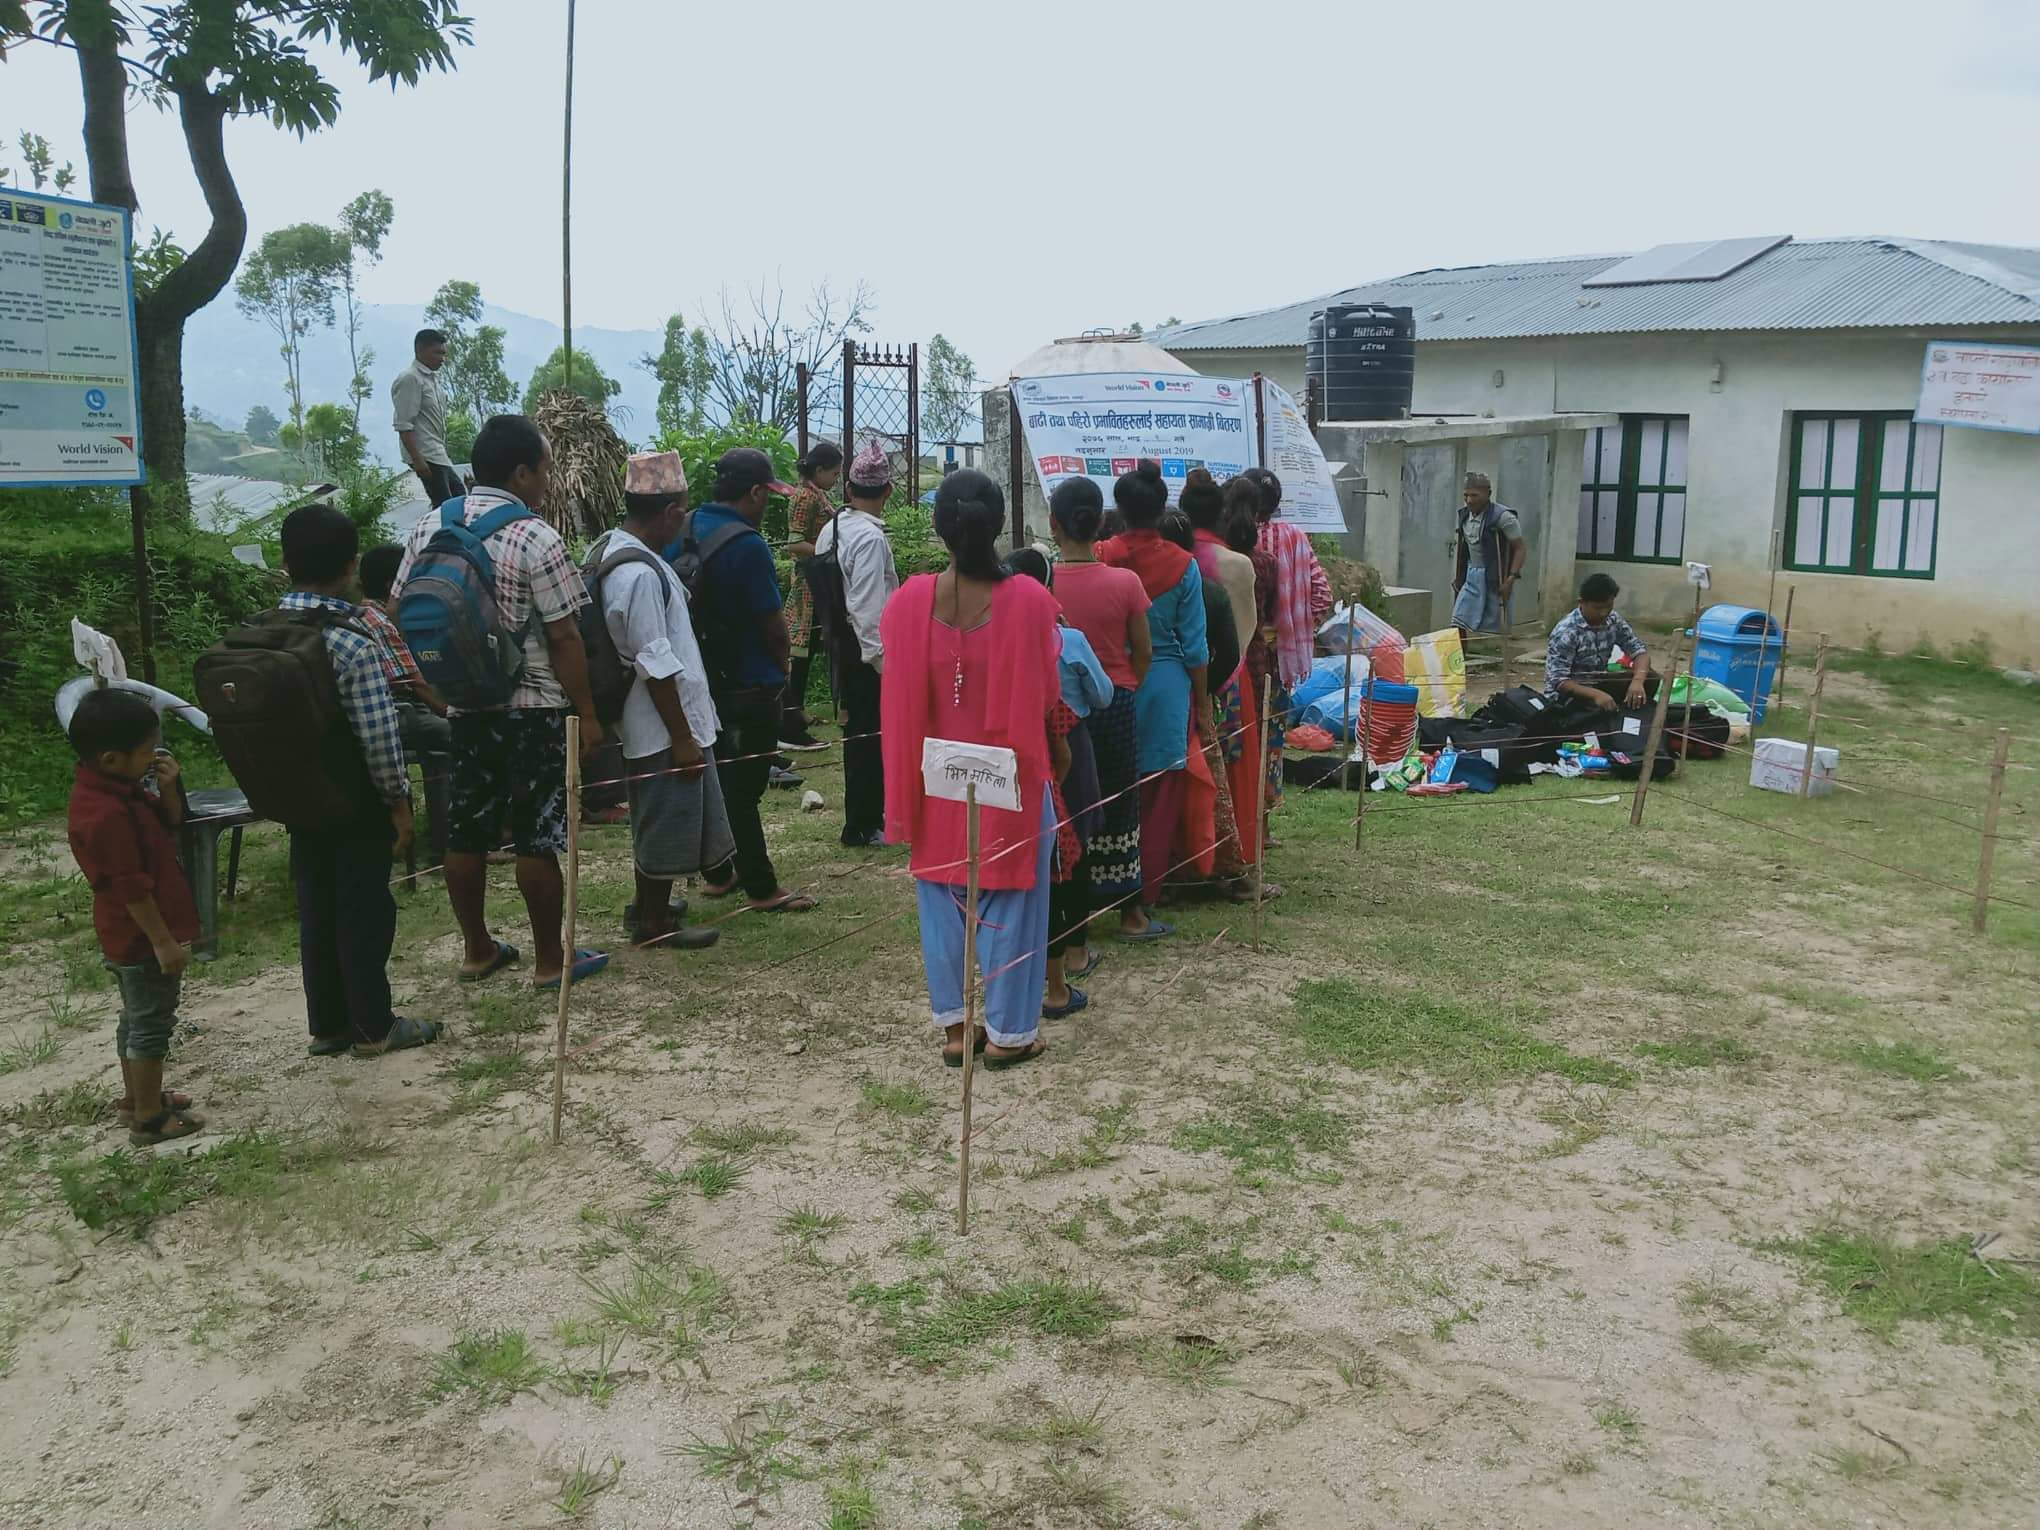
<point>447,611</point>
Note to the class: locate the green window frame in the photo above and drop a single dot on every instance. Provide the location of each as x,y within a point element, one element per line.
<point>1633,490</point>
<point>1864,495</point>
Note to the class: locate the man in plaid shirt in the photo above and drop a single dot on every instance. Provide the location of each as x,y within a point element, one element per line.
<point>510,762</point>
<point>347,916</point>
<point>1576,662</point>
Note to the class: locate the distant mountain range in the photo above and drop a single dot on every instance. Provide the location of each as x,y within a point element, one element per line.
<point>231,364</point>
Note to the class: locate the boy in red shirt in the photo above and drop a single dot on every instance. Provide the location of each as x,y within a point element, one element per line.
<point>142,907</point>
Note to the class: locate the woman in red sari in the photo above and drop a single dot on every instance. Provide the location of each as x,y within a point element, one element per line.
<point>972,656</point>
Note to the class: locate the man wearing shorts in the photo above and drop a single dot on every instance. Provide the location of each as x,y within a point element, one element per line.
<point>510,762</point>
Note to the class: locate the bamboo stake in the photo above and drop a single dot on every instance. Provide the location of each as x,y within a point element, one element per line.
<point>1261,804</point>
<point>573,912</point>
<point>970,931</point>
<point>1657,732</point>
<point>1784,644</point>
<point>567,228</point>
<point>1813,717</point>
<point>1346,770</point>
<point>1366,747</point>
<point>1990,823</point>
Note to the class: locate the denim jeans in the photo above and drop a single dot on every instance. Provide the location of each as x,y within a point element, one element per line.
<point>148,1010</point>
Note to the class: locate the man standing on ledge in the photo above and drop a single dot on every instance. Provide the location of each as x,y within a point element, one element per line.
<point>419,399</point>
<point>1489,553</point>
<point>1576,664</point>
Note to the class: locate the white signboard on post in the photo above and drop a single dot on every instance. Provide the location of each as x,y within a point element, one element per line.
<point>1981,385</point>
<point>1098,424</point>
<point>69,412</point>
<point>1309,502</point>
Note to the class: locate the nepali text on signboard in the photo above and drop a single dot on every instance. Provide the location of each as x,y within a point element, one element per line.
<point>69,410</point>
<point>1981,385</point>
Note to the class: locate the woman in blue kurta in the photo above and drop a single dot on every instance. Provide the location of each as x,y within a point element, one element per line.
<point>1172,699</point>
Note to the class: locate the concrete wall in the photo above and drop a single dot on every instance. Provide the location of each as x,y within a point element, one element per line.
<point>1987,575</point>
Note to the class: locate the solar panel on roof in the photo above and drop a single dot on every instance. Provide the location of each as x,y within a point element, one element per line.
<point>1708,260</point>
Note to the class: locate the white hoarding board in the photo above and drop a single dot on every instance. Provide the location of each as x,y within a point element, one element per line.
<point>1308,499</point>
<point>1981,385</point>
<point>69,412</point>
<point>1098,424</point>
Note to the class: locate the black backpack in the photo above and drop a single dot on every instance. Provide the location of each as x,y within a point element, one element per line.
<point>274,704</point>
<point>610,674</point>
<point>690,562</point>
<point>1624,746</point>
<point>1519,706</point>
<point>824,575</point>
<point>1696,732</point>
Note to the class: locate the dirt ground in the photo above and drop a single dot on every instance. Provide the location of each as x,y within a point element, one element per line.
<point>1535,1172</point>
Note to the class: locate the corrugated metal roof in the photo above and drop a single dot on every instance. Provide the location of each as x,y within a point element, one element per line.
<point>1870,283</point>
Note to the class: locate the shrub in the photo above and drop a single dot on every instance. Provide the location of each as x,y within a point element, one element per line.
<point>69,553</point>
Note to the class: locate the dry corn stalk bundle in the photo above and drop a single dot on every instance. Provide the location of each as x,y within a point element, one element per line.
<point>588,459</point>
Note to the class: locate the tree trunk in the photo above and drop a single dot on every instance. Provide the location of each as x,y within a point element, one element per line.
<point>160,315</point>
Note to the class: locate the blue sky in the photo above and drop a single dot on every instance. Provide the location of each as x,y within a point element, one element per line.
<point>1008,174</point>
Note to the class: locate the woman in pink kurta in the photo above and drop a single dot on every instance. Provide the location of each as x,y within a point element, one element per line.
<point>971,655</point>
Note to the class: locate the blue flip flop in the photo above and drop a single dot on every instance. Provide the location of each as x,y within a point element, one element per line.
<point>586,965</point>
<point>505,955</point>
<point>1086,970</point>
<point>1078,1000</point>
<point>1156,930</point>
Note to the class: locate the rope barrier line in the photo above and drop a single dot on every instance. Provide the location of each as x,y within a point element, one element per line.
<point>1821,844</point>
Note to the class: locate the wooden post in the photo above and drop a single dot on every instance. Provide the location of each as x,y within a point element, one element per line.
<point>1784,642</point>
<point>573,912</point>
<point>567,252</point>
<point>1261,808</point>
<point>1813,717</point>
<point>1366,747</point>
<point>1345,770</point>
<point>145,599</point>
<point>1657,734</point>
<point>1990,823</point>
<point>970,929</point>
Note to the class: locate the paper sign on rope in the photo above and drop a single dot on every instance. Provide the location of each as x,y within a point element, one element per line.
<point>950,766</point>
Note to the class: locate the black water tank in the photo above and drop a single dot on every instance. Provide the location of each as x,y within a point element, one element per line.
<point>1364,357</point>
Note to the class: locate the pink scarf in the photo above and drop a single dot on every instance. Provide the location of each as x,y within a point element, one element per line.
<point>1303,598</point>
<point>1159,563</point>
<point>1017,699</point>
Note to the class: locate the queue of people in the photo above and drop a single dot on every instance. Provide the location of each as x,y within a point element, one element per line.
<point>1121,673</point>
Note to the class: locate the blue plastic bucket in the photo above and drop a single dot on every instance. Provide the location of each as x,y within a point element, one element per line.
<point>1739,648</point>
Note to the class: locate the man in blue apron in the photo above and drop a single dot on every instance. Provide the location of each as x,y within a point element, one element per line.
<point>1489,553</point>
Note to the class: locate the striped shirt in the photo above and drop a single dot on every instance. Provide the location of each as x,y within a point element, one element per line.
<point>399,667</point>
<point>536,583</point>
<point>358,666</point>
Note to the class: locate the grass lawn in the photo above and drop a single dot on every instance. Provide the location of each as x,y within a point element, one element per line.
<point>1535,1171</point>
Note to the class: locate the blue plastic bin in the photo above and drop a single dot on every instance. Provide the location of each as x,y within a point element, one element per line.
<point>1740,648</point>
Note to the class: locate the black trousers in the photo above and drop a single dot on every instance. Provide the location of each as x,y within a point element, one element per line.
<point>441,483</point>
<point>750,734</point>
<point>347,922</point>
<point>863,759</point>
<point>1069,907</point>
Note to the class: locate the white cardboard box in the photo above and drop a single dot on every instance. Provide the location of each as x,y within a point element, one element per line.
<point>1780,761</point>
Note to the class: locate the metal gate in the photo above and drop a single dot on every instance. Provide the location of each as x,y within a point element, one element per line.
<point>876,393</point>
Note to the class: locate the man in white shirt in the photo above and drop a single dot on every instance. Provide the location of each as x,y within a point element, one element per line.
<point>856,535</point>
<point>678,824</point>
<point>418,410</point>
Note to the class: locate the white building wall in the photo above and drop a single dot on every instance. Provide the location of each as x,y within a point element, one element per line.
<point>1987,569</point>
